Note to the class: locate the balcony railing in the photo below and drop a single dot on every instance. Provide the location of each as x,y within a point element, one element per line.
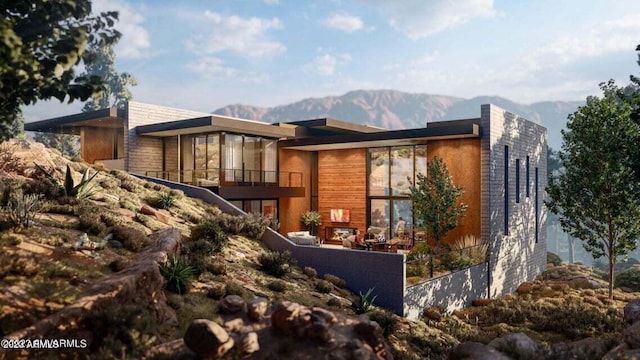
<point>231,177</point>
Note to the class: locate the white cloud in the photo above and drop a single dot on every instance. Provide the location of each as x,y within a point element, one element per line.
<point>419,18</point>
<point>245,36</point>
<point>134,42</point>
<point>326,64</point>
<point>211,67</point>
<point>345,22</point>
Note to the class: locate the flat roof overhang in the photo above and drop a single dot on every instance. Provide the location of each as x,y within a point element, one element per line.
<point>71,124</point>
<point>337,126</point>
<point>387,138</point>
<point>215,123</point>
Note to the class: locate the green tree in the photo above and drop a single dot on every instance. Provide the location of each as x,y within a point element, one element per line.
<point>40,43</point>
<point>435,200</point>
<point>65,143</point>
<point>117,92</point>
<point>597,197</point>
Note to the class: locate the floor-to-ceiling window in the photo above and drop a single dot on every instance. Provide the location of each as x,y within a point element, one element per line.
<point>392,171</point>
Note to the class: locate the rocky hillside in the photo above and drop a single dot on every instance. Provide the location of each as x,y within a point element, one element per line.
<point>130,269</point>
<point>392,109</point>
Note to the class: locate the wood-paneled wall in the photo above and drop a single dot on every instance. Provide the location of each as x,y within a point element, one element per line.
<point>342,184</point>
<point>462,157</point>
<point>97,143</point>
<point>292,208</point>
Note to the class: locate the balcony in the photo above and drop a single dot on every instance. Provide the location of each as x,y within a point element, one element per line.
<point>239,183</point>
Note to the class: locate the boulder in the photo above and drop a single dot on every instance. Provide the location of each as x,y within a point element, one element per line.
<point>632,312</point>
<point>517,343</point>
<point>231,304</point>
<point>175,349</point>
<point>622,351</point>
<point>525,288</point>
<point>283,316</point>
<point>256,308</point>
<point>588,348</point>
<point>371,333</point>
<point>207,339</point>
<point>631,335</point>
<point>249,343</point>
<point>470,350</point>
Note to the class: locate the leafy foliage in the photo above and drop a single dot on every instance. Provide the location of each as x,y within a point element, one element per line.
<point>597,197</point>
<point>210,231</point>
<point>178,275</point>
<point>364,303</point>
<point>41,42</point>
<point>166,200</point>
<point>553,259</point>
<point>435,200</point>
<point>629,278</point>
<point>311,218</point>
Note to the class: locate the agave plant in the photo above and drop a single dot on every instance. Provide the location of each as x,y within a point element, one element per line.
<point>84,189</point>
<point>364,303</point>
<point>178,274</point>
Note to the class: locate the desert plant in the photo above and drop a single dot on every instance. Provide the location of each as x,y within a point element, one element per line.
<point>166,200</point>
<point>235,288</point>
<point>472,247</point>
<point>178,275</point>
<point>254,225</point>
<point>323,286</point>
<point>553,259</point>
<point>83,190</point>
<point>210,231</point>
<point>22,209</point>
<point>310,272</point>
<point>337,281</point>
<point>9,162</point>
<point>91,223</point>
<point>231,224</point>
<point>387,320</point>
<point>364,303</point>
<point>277,286</point>
<point>132,239</point>
<point>216,292</point>
<point>629,279</point>
<point>274,224</point>
<point>276,263</point>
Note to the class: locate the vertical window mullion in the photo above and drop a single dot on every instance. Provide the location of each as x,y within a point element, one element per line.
<point>506,190</point>
<point>517,181</point>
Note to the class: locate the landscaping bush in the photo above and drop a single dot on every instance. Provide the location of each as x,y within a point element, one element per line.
<point>323,286</point>
<point>553,259</point>
<point>21,209</point>
<point>276,263</point>
<point>364,303</point>
<point>419,251</point>
<point>91,223</point>
<point>178,275</point>
<point>210,231</point>
<point>231,224</point>
<point>629,278</point>
<point>254,225</point>
<point>131,238</point>
<point>338,282</point>
<point>216,292</point>
<point>277,286</point>
<point>310,272</point>
<point>165,200</point>
<point>387,320</point>
<point>235,288</point>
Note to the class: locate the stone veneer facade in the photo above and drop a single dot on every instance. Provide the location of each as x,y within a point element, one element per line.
<point>146,153</point>
<point>518,254</point>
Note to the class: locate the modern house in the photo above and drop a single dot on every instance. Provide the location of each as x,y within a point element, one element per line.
<point>355,176</point>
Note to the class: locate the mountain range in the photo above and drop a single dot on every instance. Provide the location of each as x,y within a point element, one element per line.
<point>395,110</point>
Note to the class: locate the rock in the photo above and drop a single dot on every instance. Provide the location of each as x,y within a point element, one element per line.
<point>595,284</point>
<point>525,288</point>
<point>207,339</point>
<point>231,304</point>
<point>589,348</point>
<point>115,244</point>
<point>631,335</point>
<point>175,349</point>
<point>283,316</point>
<point>622,351</point>
<point>256,308</point>
<point>147,210</point>
<point>470,350</point>
<point>80,241</point>
<point>320,329</point>
<point>581,283</point>
<point>482,302</point>
<point>326,315</point>
<point>516,343</point>
<point>234,324</point>
<point>249,343</point>
<point>632,312</point>
<point>371,333</point>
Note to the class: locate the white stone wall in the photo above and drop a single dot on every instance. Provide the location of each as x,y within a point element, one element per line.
<point>515,256</point>
<point>144,153</point>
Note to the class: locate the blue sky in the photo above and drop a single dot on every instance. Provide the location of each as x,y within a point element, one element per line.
<point>202,55</point>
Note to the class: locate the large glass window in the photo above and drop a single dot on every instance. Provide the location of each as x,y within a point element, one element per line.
<point>379,172</point>
<point>270,154</point>
<point>232,157</point>
<point>391,174</point>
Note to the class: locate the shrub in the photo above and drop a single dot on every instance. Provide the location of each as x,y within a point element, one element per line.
<point>310,272</point>
<point>216,292</point>
<point>91,223</point>
<point>311,219</point>
<point>338,282</point>
<point>231,224</point>
<point>166,200</point>
<point>178,275</point>
<point>217,266</point>
<point>553,259</point>
<point>364,303</point>
<point>324,286</point>
<point>417,269</point>
<point>110,182</point>
<point>254,225</point>
<point>235,288</point>
<point>419,251</point>
<point>387,320</point>
<point>454,261</point>
<point>196,254</point>
<point>45,187</point>
<point>629,279</point>
<point>210,231</point>
<point>132,239</point>
<point>83,190</point>
<point>276,263</point>
<point>9,162</point>
<point>277,286</point>
<point>22,209</point>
